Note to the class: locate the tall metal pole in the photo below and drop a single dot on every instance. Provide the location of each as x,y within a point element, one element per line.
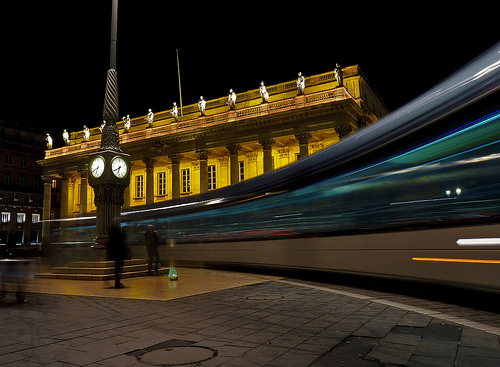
<point>114,32</point>
<point>109,138</point>
<point>179,76</point>
<point>109,187</point>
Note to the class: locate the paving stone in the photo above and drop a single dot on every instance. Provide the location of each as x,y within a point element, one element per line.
<point>294,326</point>
<point>391,353</point>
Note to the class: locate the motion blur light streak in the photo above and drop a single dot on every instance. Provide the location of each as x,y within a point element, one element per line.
<point>471,261</point>
<point>341,208</point>
<point>479,242</point>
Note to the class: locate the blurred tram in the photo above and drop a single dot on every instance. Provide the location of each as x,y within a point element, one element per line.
<point>415,196</point>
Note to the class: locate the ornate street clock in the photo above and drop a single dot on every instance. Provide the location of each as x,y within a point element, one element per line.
<point>109,166</point>
<point>109,176</point>
<point>96,166</point>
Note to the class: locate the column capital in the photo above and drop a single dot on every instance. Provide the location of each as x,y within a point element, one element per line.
<point>175,157</point>
<point>343,131</point>
<point>149,162</point>
<point>203,153</point>
<point>48,178</point>
<point>267,143</point>
<point>233,148</point>
<point>84,172</point>
<point>65,176</point>
<point>303,137</point>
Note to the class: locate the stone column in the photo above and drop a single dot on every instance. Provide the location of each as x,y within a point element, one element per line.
<point>83,190</point>
<point>233,161</point>
<point>267,145</point>
<point>64,194</point>
<point>150,180</point>
<point>176,183</point>
<point>203,154</point>
<point>303,139</point>
<point>47,200</point>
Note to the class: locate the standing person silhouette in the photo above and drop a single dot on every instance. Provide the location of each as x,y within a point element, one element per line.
<point>151,240</point>
<point>117,250</point>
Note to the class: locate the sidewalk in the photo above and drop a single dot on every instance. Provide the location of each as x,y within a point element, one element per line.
<point>216,318</point>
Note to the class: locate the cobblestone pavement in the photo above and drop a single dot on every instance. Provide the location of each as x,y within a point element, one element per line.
<point>277,322</point>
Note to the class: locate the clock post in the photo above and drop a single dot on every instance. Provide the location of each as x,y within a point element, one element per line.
<point>109,166</point>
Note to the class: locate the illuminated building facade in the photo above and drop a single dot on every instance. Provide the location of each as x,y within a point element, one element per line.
<point>222,146</point>
<point>21,188</point>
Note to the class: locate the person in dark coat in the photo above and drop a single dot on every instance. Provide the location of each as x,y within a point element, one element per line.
<point>117,251</point>
<point>151,240</point>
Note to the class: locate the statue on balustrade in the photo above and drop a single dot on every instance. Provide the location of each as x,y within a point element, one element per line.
<point>65,136</point>
<point>126,123</point>
<point>201,106</point>
<point>49,141</point>
<point>86,133</point>
<point>149,118</point>
<point>301,83</point>
<point>231,100</point>
<point>339,75</point>
<point>175,113</point>
<point>263,93</point>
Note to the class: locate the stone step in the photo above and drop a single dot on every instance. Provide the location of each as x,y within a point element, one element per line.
<point>97,277</point>
<point>98,270</point>
<point>103,264</point>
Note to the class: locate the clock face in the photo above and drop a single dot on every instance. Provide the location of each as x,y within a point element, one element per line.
<point>119,167</point>
<point>97,167</point>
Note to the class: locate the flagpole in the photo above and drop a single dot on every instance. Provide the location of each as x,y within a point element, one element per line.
<point>179,77</point>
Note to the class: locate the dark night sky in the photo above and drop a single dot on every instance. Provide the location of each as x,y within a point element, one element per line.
<point>54,54</point>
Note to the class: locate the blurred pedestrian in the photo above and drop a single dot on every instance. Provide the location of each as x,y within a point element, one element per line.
<point>151,240</point>
<point>117,250</point>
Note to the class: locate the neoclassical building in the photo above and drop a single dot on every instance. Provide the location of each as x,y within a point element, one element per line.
<point>222,146</point>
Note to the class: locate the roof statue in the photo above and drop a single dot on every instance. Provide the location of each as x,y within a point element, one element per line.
<point>86,133</point>
<point>65,136</point>
<point>301,83</point>
<point>149,118</point>
<point>231,100</point>
<point>175,113</point>
<point>201,105</point>
<point>339,75</point>
<point>49,141</point>
<point>126,123</point>
<point>263,93</point>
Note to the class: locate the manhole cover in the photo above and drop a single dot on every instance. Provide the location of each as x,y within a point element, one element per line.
<point>174,353</point>
<point>264,297</point>
<point>177,356</point>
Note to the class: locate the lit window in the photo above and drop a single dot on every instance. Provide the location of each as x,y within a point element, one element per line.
<point>242,170</point>
<point>35,218</point>
<point>139,186</point>
<point>21,217</point>
<point>5,217</point>
<point>212,180</point>
<point>162,183</point>
<point>186,181</point>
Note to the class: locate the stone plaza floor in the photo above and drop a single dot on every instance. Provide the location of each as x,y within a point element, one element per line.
<point>221,318</point>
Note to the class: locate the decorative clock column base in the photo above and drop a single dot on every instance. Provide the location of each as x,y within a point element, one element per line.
<point>108,200</point>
